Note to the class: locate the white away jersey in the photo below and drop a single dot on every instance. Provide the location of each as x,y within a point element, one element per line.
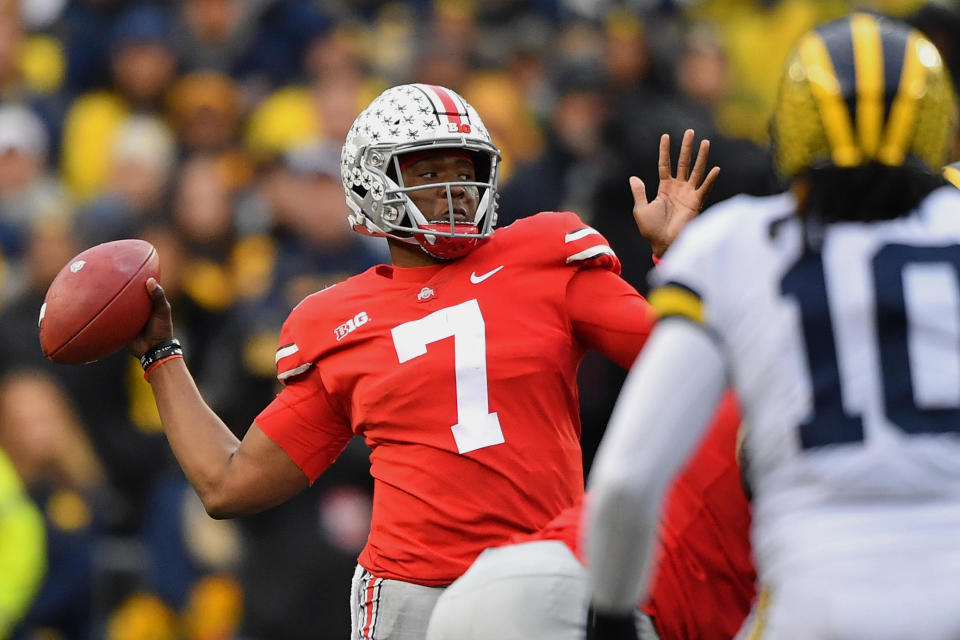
<point>847,364</point>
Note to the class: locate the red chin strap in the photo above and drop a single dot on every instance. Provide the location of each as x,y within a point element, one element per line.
<point>447,248</point>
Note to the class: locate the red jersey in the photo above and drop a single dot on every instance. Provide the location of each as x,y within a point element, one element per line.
<point>705,580</point>
<point>461,378</point>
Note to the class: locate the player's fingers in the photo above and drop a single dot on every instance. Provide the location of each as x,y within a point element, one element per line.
<point>157,295</point>
<point>639,191</point>
<point>700,166</point>
<point>708,183</point>
<point>686,148</point>
<point>663,166</point>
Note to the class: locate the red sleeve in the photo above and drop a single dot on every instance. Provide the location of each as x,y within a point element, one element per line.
<point>304,421</point>
<point>608,315</point>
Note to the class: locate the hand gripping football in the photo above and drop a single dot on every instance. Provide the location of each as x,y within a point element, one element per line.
<point>98,302</point>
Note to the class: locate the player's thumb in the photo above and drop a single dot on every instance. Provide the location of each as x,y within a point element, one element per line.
<point>639,190</point>
<point>155,291</point>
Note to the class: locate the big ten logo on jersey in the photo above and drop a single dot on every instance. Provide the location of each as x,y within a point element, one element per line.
<point>356,321</point>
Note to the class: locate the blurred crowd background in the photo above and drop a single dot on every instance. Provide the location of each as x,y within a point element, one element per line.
<point>212,128</point>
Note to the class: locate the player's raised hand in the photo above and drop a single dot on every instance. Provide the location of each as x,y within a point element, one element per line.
<point>679,198</point>
<point>160,325</point>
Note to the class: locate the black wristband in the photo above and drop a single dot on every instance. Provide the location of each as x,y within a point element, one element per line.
<point>160,351</point>
<point>607,626</point>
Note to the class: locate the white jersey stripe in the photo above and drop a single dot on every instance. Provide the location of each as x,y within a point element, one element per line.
<point>573,236</point>
<point>285,351</point>
<point>592,252</point>
<point>295,371</point>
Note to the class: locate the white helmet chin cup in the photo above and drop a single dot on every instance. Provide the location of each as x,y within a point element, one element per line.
<point>405,119</point>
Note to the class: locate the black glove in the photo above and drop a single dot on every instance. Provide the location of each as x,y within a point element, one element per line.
<point>608,626</point>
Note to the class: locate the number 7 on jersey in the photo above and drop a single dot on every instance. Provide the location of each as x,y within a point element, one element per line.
<point>476,427</point>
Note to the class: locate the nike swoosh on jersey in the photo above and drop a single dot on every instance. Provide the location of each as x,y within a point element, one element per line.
<point>475,279</point>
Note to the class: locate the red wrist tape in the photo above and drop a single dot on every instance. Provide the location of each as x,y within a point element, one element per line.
<point>153,366</point>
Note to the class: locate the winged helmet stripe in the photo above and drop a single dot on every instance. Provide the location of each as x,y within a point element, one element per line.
<point>903,113</point>
<point>827,92</point>
<point>952,173</point>
<point>869,72</point>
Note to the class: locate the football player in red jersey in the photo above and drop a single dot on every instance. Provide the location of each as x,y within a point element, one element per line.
<point>536,587</point>
<point>456,364</point>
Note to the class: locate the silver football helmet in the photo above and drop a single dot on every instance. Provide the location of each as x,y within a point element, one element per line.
<point>408,119</point>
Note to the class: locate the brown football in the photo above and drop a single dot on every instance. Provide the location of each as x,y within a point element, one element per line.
<point>98,302</point>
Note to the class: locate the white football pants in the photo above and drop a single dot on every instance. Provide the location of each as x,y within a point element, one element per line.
<point>382,609</point>
<point>530,591</point>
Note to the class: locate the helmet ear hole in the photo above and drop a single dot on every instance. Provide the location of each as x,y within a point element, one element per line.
<point>392,172</point>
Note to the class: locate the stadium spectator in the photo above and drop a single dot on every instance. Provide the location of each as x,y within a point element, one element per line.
<point>626,50</point>
<point>336,100</point>
<point>141,160</point>
<point>214,35</point>
<point>11,37</point>
<point>204,225</point>
<point>337,52</point>
<point>509,119</point>
<point>283,120</point>
<point>205,109</point>
<point>397,28</point>
<point>572,155</point>
<point>32,68</point>
<point>283,32</point>
<point>444,58</point>
<point>142,66</point>
<point>29,195</point>
<point>22,547</point>
<point>45,442</point>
